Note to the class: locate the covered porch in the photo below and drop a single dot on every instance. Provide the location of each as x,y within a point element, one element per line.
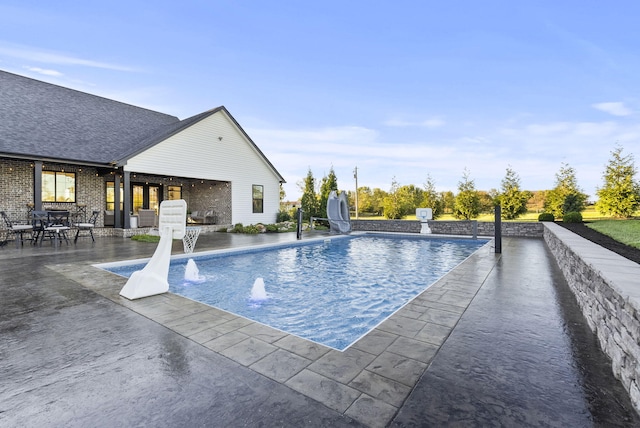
<point>208,201</point>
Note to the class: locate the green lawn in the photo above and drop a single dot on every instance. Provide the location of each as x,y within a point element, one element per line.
<point>625,231</point>
<point>146,238</point>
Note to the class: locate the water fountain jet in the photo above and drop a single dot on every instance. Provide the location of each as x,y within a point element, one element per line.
<point>192,273</point>
<point>258,291</point>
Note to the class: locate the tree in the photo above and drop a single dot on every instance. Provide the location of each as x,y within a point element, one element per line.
<point>566,196</point>
<point>410,198</point>
<point>448,201</point>
<point>327,184</point>
<point>488,201</point>
<point>432,199</point>
<point>467,205</point>
<point>536,202</point>
<point>309,200</point>
<point>620,195</point>
<point>513,201</point>
<point>391,204</point>
<point>364,199</point>
<point>377,201</point>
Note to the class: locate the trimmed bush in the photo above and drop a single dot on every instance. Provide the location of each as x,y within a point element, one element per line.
<point>546,217</point>
<point>251,229</point>
<point>282,216</point>
<point>237,228</point>
<point>572,217</point>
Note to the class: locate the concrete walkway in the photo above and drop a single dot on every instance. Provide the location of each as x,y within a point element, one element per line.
<point>498,341</point>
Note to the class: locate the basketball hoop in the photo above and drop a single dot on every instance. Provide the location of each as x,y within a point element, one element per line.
<point>189,239</point>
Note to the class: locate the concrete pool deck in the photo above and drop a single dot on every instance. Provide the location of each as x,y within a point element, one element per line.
<point>497,341</point>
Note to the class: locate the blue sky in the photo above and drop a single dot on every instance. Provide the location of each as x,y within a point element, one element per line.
<point>400,89</point>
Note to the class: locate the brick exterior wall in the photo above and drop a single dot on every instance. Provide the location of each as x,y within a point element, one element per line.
<point>17,186</point>
<point>203,196</point>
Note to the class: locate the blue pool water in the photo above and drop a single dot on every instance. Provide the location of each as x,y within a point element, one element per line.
<point>328,292</point>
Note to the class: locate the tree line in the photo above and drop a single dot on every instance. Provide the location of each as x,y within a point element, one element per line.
<point>619,195</point>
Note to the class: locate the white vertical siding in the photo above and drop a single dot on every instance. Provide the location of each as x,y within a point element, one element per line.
<point>198,152</point>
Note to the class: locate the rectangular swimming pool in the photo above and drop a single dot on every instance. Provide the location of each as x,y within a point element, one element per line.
<point>330,291</point>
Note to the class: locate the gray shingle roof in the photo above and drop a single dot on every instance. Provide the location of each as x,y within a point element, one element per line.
<point>41,120</point>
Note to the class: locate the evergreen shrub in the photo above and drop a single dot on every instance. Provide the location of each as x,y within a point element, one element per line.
<point>572,217</point>
<point>546,217</point>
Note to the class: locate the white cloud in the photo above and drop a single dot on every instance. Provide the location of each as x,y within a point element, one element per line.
<point>431,123</point>
<point>613,108</point>
<point>47,57</point>
<point>315,141</point>
<point>534,150</point>
<point>46,72</point>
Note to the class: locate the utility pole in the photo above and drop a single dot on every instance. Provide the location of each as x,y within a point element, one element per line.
<point>355,175</point>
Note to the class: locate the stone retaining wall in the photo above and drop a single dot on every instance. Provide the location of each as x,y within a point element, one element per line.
<point>607,288</point>
<point>522,229</point>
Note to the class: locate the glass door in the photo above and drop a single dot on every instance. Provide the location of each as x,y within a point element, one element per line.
<point>111,196</point>
<point>137,197</point>
<point>154,198</point>
<point>147,196</point>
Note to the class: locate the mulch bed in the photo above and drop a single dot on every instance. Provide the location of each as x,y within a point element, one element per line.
<point>605,241</point>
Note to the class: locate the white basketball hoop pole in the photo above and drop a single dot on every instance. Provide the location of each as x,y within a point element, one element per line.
<point>153,278</point>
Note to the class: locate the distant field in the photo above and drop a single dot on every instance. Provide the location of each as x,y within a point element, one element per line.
<point>625,231</point>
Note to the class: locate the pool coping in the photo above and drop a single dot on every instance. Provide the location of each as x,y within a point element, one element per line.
<point>368,382</point>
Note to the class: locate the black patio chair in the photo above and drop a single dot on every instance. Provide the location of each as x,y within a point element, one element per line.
<point>88,226</point>
<point>18,230</point>
<point>57,227</point>
<point>39,220</point>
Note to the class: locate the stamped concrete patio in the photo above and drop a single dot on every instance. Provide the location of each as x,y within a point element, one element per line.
<point>498,341</point>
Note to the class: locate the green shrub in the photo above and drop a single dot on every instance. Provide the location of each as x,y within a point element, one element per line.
<point>546,217</point>
<point>237,228</point>
<point>287,226</point>
<point>272,228</point>
<point>572,217</point>
<point>251,229</point>
<point>282,216</point>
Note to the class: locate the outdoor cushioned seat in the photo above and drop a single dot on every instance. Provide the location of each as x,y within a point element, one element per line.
<point>146,217</point>
<point>17,229</point>
<point>204,217</point>
<point>196,216</point>
<point>109,218</point>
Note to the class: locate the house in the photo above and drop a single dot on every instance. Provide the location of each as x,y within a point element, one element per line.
<point>65,149</point>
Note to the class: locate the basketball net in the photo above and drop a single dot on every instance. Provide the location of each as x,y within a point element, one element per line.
<point>190,238</point>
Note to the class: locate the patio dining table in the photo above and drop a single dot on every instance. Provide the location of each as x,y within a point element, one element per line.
<point>53,224</point>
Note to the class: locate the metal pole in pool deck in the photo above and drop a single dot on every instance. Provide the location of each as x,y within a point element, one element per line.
<point>299,220</point>
<point>498,229</point>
